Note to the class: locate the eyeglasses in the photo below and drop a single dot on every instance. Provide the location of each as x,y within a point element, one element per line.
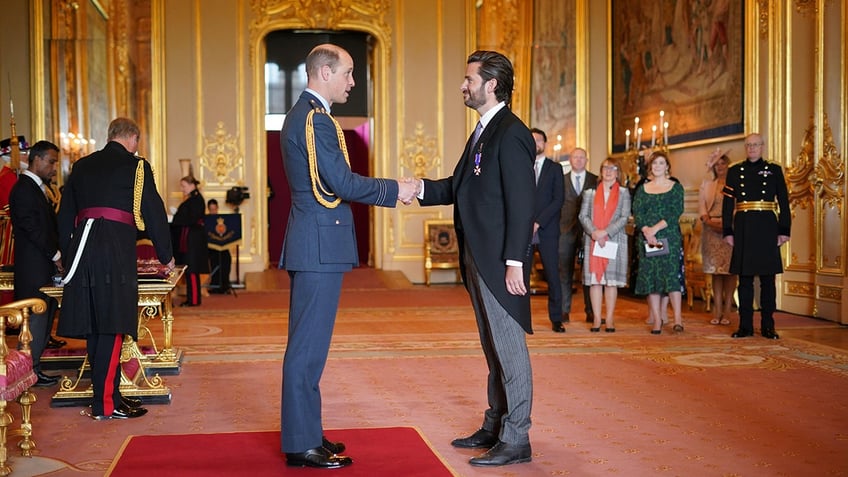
<point>609,168</point>
<point>753,144</point>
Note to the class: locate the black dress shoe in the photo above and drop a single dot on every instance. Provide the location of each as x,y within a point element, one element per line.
<point>53,343</point>
<point>45,380</point>
<point>557,327</point>
<point>334,447</point>
<point>770,334</point>
<point>122,412</point>
<point>318,457</point>
<point>740,333</point>
<point>131,402</point>
<point>482,439</point>
<point>504,454</point>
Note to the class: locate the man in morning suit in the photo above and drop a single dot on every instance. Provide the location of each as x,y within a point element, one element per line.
<point>109,196</point>
<point>319,246</point>
<point>37,256</point>
<point>756,220</point>
<point>571,238</point>
<point>549,198</point>
<point>492,190</point>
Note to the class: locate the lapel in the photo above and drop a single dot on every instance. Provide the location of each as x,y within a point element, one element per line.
<point>36,189</point>
<point>466,167</point>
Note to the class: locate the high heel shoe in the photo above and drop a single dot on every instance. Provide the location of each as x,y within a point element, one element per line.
<point>678,328</point>
<point>610,330</point>
<point>595,330</point>
<point>656,332</point>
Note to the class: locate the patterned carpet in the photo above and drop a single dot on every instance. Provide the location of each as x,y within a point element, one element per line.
<point>625,403</point>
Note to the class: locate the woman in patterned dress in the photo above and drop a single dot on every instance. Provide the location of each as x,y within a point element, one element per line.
<point>715,252</point>
<point>603,215</point>
<point>657,207</point>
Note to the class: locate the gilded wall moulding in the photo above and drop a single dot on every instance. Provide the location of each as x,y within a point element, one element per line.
<point>799,173</point>
<point>764,16</point>
<point>364,15</point>
<point>420,154</point>
<point>829,174</point>
<point>800,288</point>
<point>833,294</point>
<point>805,7</point>
<point>221,155</point>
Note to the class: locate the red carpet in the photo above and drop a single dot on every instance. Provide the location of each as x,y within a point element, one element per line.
<point>390,451</point>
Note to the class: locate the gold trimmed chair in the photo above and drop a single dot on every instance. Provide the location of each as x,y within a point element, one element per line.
<point>17,376</point>
<point>696,279</point>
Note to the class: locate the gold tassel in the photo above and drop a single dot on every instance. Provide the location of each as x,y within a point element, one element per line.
<point>138,188</point>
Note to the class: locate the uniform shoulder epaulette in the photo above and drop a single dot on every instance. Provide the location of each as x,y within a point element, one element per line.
<point>317,107</point>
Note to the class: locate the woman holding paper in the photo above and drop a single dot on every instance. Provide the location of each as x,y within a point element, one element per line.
<point>603,215</point>
<point>657,206</point>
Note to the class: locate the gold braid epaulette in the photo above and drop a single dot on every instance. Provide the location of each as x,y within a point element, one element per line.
<point>312,158</point>
<point>138,188</point>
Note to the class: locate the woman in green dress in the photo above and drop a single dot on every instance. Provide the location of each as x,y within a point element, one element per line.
<point>657,207</point>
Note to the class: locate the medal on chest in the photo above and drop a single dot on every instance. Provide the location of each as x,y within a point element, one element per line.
<point>477,157</point>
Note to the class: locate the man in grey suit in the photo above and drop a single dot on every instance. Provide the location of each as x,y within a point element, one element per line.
<point>319,246</point>
<point>571,232</point>
<point>492,191</point>
<point>549,198</point>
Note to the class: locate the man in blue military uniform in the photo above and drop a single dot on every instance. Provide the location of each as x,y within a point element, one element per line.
<point>756,221</point>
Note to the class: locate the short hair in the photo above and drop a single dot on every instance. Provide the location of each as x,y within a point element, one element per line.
<point>613,162</point>
<point>123,128</point>
<point>211,202</point>
<point>40,148</point>
<point>540,133</point>
<point>496,65</point>
<point>656,155</point>
<point>325,54</point>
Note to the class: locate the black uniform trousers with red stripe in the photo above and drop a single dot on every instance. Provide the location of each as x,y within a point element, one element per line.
<point>104,356</point>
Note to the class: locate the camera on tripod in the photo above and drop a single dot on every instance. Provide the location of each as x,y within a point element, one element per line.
<point>236,195</point>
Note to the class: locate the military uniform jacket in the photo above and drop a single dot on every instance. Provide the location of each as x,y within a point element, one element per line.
<point>102,296</point>
<point>318,238</point>
<point>36,240</point>
<point>189,235</point>
<point>755,250</point>
<point>493,210</point>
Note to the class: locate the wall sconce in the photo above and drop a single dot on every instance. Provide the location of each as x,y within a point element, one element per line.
<point>75,146</point>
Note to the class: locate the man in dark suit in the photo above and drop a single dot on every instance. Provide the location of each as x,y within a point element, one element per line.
<point>571,238</point>
<point>109,196</point>
<point>319,246</point>
<point>549,198</point>
<point>37,256</point>
<point>492,190</point>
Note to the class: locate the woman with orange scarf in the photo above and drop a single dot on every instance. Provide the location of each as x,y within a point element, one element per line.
<point>604,214</point>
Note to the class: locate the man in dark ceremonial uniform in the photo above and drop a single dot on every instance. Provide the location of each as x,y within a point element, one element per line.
<point>109,195</point>
<point>756,221</point>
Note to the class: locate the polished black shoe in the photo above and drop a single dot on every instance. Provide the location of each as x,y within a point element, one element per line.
<point>482,439</point>
<point>557,327</point>
<point>132,402</point>
<point>566,318</point>
<point>53,343</point>
<point>45,380</point>
<point>740,333</point>
<point>770,334</point>
<point>504,454</point>
<point>122,412</point>
<point>334,447</point>
<point>318,457</point>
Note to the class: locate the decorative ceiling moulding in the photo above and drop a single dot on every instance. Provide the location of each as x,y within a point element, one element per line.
<point>359,15</point>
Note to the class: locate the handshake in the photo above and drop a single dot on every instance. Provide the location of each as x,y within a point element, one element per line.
<point>408,189</point>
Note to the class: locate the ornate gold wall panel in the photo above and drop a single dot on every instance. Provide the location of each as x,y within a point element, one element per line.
<point>507,26</point>
<point>802,289</point>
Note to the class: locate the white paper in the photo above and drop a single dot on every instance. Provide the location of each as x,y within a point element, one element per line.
<point>609,250</point>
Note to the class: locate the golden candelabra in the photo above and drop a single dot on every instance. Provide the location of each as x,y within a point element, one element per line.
<point>635,152</point>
